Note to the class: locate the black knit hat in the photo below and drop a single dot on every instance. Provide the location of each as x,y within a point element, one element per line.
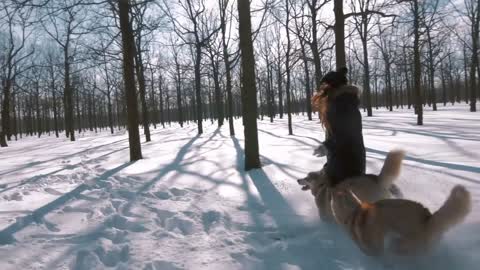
<point>336,78</point>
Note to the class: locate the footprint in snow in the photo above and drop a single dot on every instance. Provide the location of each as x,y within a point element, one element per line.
<point>182,225</point>
<point>174,194</point>
<point>115,235</point>
<point>162,195</point>
<point>14,197</point>
<point>162,216</point>
<point>178,192</point>
<point>101,257</point>
<point>212,219</point>
<point>122,223</point>
<point>161,265</point>
<point>111,257</point>
<point>70,209</point>
<point>53,191</point>
<point>50,226</point>
<point>86,260</point>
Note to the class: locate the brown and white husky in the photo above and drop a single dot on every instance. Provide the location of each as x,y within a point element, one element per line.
<point>364,207</point>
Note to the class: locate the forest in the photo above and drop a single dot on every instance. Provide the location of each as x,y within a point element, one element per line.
<point>68,66</point>
<point>201,134</point>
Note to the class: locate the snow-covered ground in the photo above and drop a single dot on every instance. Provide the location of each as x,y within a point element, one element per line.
<point>189,205</point>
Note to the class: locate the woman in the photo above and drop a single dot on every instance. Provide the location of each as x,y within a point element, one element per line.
<point>338,106</point>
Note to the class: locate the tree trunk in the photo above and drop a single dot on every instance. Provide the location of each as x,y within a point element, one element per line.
<point>223,24</point>
<point>5,128</point>
<point>14,112</point>
<point>128,50</point>
<point>279,83</point>
<point>55,112</point>
<point>375,82</point>
<point>417,64</point>
<point>38,109</point>
<point>110,112</point>
<point>366,78</point>
<point>90,106</point>
<point>77,107</point>
<point>339,26</point>
<point>198,88</point>
<point>444,85</point>
<point>287,67</point>
<point>261,94</point>
<point>465,72</point>
<point>160,87</point>
<point>252,159</point>
<point>473,66</point>
<point>167,101</point>
<point>407,79</point>
<point>218,93</point>
<point>307,82</point>
<point>271,95</point>
<point>153,104</point>
<point>431,69</point>
<point>142,88</point>
<point>314,44</point>
<point>179,94</point>
<point>69,126</point>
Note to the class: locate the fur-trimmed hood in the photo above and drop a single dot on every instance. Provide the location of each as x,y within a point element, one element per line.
<point>349,88</point>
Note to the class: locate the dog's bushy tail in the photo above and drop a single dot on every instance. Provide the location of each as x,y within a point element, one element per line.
<point>454,210</point>
<point>391,168</point>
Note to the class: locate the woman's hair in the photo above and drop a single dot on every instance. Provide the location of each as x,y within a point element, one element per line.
<point>331,81</point>
<point>320,104</point>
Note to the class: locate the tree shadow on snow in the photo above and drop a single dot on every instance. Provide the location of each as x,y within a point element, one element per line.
<point>36,216</point>
<point>450,166</point>
<point>290,241</point>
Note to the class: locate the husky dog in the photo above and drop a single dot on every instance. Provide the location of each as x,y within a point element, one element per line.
<point>368,187</point>
<point>364,206</point>
<point>407,226</point>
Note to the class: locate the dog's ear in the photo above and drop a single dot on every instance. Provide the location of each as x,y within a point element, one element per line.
<point>312,175</point>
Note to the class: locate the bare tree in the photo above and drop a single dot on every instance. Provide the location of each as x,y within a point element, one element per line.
<point>385,45</point>
<point>14,17</point>
<point>314,7</point>
<point>339,28</point>
<point>363,13</point>
<point>249,88</point>
<point>473,15</point>
<point>202,29</point>
<point>306,70</point>
<point>288,65</point>
<point>214,54</point>
<point>415,7</point>
<point>65,22</point>
<point>224,6</point>
<point>128,50</point>
<point>144,26</point>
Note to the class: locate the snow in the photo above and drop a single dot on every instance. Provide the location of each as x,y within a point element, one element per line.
<point>189,205</point>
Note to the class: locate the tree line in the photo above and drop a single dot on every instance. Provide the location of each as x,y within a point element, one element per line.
<point>68,66</point>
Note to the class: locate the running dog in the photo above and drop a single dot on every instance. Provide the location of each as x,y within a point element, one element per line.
<point>368,187</point>
<point>379,224</point>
